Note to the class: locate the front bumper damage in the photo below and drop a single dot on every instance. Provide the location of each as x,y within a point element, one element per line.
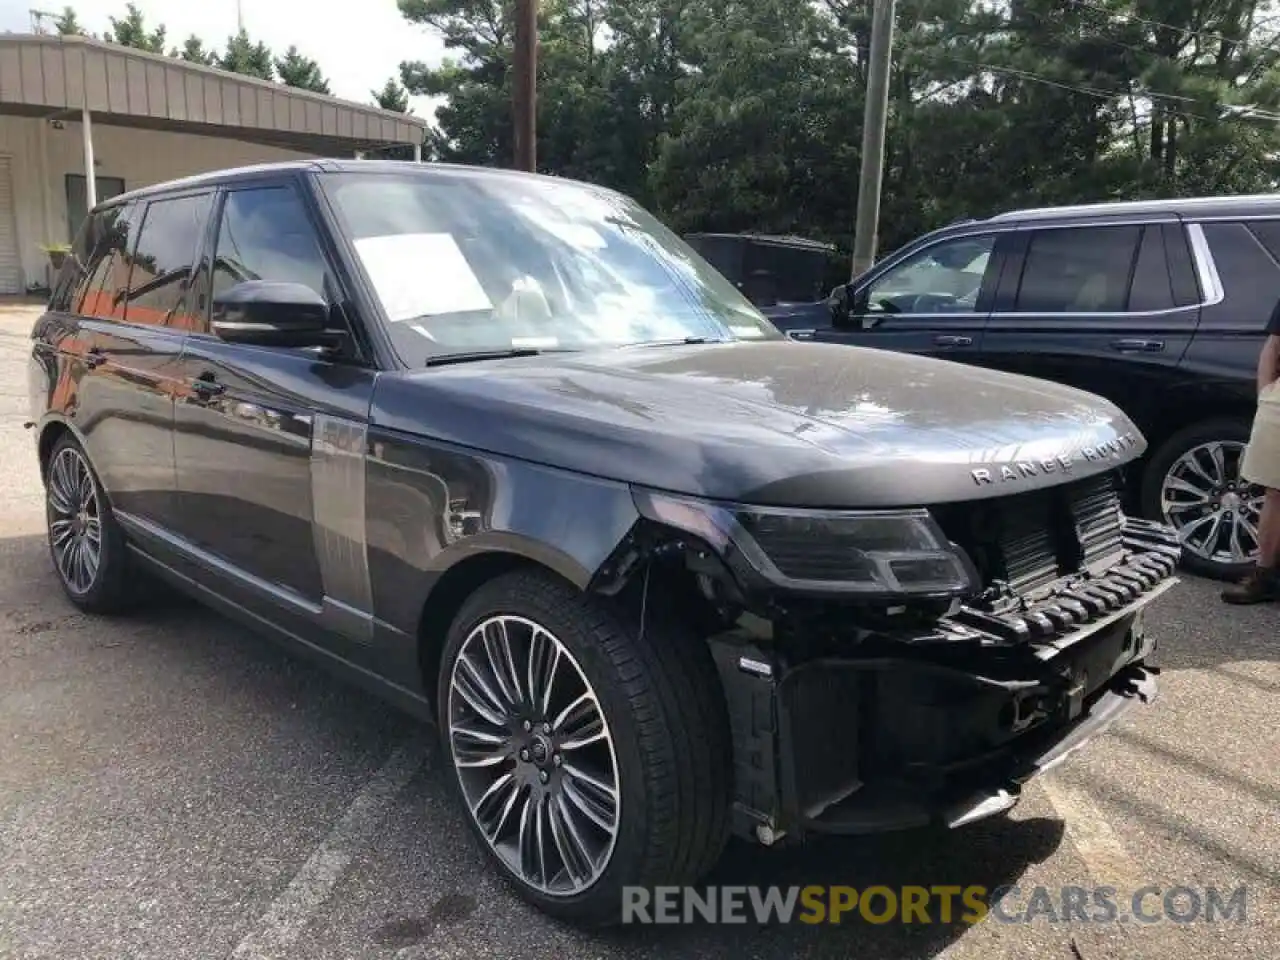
<point>944,724</point>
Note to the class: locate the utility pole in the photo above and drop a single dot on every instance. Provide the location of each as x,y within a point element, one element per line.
<point>525,87</point>
<point>873,125</point>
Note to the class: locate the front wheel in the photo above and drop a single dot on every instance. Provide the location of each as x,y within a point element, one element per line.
<point>590,756</point>
<point>1193,483</point>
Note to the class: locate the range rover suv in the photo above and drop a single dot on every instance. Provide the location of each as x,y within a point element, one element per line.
<point>507,451</point>
<point>1159,306</point>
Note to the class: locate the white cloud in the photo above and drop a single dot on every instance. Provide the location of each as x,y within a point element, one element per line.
<point>357,46</point>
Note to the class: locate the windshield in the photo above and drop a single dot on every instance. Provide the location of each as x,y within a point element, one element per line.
<point>464,262</point>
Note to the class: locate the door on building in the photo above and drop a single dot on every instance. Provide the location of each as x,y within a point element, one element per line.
<point>78,197</point>
<point>10,261</point>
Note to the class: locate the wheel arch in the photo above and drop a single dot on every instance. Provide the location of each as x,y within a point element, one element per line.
<point>51,430</point>
<point>458,581</point>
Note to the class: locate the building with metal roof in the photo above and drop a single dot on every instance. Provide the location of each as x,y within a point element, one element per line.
<point>82,120</point>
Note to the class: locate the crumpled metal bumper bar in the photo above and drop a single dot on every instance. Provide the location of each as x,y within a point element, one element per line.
<point>1151,555</point>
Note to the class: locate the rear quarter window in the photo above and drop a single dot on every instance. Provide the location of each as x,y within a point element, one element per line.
<point>1249,273</point>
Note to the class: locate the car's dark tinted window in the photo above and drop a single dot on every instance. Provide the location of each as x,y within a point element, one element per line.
<point>1268,234</point>
<point>164,257</point>
<point>69,288</point>
<point>1151,288</point>
<point>1248,274</point>
<point>266,234</point>
<point>1182,270</point>
<point>108,280</point>
<point>1078,270</point>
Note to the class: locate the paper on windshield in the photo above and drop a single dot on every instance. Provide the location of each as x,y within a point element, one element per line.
<point>421,275</point>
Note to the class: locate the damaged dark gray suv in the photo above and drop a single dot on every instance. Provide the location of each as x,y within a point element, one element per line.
<point>506,450</point>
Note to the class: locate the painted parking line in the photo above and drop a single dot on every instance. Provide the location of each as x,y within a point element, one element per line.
<point>288,915</point>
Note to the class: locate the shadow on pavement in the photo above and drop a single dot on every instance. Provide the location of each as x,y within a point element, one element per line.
<point>990,854</point>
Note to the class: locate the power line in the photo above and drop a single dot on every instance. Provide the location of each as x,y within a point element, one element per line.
<point>1185,31</point>
<point>1098,92</point>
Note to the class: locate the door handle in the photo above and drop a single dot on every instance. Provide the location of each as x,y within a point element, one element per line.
<point>205,386</point>
<point>1137,346</point>
<point>951,340</point>
<point>94,358</point>
<point>801,334</point>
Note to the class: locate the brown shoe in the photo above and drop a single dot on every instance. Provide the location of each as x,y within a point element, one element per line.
<point>1262,585</point>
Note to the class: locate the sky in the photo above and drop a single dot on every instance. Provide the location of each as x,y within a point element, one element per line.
<point>358,46</point>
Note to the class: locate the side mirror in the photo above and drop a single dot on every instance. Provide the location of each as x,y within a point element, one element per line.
<point>272,313</point>
<point>839,306</point>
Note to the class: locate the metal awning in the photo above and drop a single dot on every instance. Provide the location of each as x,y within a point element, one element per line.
<point>45,75</point>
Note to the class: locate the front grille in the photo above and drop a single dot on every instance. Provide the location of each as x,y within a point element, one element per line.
<point>1029,540</point>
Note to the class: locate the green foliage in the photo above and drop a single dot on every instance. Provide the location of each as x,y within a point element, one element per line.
<point>131,31</point>
<point>393,96</point>
<point>747,114</point>
<point>68,24</point>
<point>193,51</point>
<point>295,70</point>
<point>244,56</point>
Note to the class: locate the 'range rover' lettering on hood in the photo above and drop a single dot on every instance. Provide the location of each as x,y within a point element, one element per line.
<point>1114,449</point>
<point>771,423</point>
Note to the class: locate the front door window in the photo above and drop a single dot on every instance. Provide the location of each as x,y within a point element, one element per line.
<point>943,278</point>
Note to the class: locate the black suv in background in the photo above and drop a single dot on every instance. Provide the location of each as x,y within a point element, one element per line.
<point>1160,306</point>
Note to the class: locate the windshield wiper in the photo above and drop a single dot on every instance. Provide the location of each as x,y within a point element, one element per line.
<point>466,357</point>
<point>678,342</point>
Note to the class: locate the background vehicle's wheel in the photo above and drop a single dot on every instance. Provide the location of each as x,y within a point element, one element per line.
<point>86,543</point>
<point>1193,482</point>
<point>590,755</point>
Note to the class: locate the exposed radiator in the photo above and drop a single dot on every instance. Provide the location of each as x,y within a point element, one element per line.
<point>1029,540</point>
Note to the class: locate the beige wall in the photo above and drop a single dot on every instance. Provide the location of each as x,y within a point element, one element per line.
<point>140,157</point>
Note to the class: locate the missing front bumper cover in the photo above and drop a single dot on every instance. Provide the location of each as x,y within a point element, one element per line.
<point>917,734</point>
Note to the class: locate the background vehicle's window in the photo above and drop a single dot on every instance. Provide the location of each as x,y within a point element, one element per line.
<point>265,234</point>
<point>1268,234</point>
<point>1246,269</point>
<point>943,278</point>
<point>108,280</point>
<point>1182,270</point>
<point>463,262</point>
<point>1078,270</point>
<point>1152,289</point>
<point>162,262</point>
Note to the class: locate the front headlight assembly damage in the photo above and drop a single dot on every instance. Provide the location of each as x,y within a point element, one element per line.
<point>873,555</point>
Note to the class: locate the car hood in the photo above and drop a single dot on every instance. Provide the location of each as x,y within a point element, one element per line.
<point>777,423</point>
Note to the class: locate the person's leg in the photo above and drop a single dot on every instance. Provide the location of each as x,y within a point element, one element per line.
<point>1263,584</point>
<point>1269,531</point>
<point>1261,466</point>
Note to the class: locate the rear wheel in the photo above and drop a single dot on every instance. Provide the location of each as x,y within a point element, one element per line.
<point>85,542</point>
<point>1193,483</point>
<point>590,756</point>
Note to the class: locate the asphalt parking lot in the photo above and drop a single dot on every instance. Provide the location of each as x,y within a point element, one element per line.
<point>172,786</point>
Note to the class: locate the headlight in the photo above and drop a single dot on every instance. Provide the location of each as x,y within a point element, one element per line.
<point>878,553</point>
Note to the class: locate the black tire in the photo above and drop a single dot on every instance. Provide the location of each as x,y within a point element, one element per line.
<point>664,708</point>
<point>112,588</point>
<point>1225,429</point>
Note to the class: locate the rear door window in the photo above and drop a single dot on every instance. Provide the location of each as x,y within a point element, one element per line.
<point>164,260</point>
<point>108,281</point>
<point>1151,289</point>
<point>1078,270</point>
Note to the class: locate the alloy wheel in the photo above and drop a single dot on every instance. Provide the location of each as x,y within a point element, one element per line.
<point>75,523</point>
<point>1214,510</point>
<point>534,755</point>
